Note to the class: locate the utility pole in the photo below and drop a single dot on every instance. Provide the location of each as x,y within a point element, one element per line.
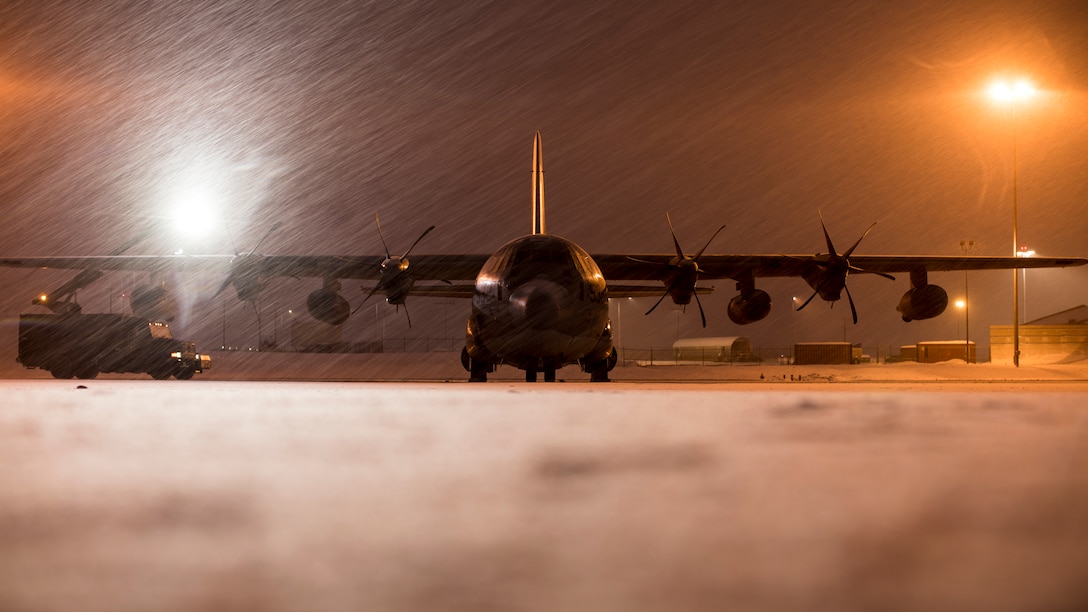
<point>967,246</point>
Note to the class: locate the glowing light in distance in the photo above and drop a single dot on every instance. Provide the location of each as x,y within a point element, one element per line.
<point>1011,91</point>
<point>960,303</point>
<point>195,211</point>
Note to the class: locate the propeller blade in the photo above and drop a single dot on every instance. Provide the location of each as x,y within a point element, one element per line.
<point>679,251</point>
<point>223,287</point>
<point>850,299</point>
<point>810,298</point>
<point>863,271</point>
<point>658,302</point>
<point>377,287</point>
<point>378,222</point>
<point>830,246</point>
<point>425,232</point>
<point>275,226</point>
<point>850,251</point>
<point>700,253</point>
<point>699,303</point>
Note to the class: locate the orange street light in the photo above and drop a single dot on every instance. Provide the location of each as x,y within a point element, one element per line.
<point>1013,93</point>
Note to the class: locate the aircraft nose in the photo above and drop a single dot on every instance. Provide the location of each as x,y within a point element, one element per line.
<point>538,303</point>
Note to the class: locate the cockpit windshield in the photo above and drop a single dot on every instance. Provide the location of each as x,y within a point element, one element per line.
<point>541,256</point>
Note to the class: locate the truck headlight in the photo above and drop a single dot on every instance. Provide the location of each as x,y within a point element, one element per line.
<point>176,354</point>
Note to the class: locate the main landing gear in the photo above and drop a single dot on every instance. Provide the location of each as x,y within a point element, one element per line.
<point>477,370</point>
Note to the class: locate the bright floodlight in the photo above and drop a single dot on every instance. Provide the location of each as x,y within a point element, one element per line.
<point>195,212</point>
<point>960,303</point>
<point>1012,91</point>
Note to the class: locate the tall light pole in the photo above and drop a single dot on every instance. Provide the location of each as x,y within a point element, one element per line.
<point>1025,252</point>
<point>967,246</point>
<point>1013,93</point>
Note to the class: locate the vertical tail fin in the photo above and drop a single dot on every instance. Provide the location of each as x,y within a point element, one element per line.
<point>538,186</point>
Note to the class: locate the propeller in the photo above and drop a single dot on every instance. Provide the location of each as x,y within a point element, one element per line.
<point>238,269</point>
<point>682,273</point>
<point>395,280</point>
<point>830,280</point>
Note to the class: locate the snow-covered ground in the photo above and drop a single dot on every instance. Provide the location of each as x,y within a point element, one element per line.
<point>447,366</point>
<point>172,495</point>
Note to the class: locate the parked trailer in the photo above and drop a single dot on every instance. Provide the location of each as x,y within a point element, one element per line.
<point>810,353</point>
<point>935,351</point>
<point>82,345</point>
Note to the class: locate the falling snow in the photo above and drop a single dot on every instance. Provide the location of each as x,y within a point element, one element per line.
<point>120,117</point>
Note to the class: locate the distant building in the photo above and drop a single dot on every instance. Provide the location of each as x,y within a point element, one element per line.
<point>1058,338</point>
<point>908,352</point>
<point>809,353</point>
<point>720,349</point>
<point>1073,316</point>
<point>936,351</point>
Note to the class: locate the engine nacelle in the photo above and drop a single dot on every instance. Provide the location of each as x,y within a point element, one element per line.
<point>328,306</point>
<point>754,306</point>
<point>154,303</point>
<point>923,302</point>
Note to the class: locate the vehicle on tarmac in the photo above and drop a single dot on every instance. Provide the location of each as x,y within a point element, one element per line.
<point>82,345</point>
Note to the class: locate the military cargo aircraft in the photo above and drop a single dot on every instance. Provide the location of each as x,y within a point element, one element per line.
<point>540,302</point>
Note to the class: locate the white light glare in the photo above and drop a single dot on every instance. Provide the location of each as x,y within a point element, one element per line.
<point>1005,91</point>
<point>194,212</point>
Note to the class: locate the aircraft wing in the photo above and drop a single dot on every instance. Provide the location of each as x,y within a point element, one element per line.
<point>362,267</point>
<point>615,267</point>
<point>908,263</point>
<point>146,263</point>
<point>639,267</point>
<point>629,290</point>
<point>620,269</point>
<point>463,290</point>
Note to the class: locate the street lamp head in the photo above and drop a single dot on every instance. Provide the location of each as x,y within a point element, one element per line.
<point>1006,91</point>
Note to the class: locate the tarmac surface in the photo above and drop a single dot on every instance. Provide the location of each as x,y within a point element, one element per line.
<point>887,492</point>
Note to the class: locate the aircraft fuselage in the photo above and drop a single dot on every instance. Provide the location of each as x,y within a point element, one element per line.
<point>540,303</point>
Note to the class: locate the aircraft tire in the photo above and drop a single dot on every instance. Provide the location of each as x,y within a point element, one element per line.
<point>477,372</point>
<point>87,371</point>
<point>598,370</point>
<point>160,373</point>
<point>62,368</point>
